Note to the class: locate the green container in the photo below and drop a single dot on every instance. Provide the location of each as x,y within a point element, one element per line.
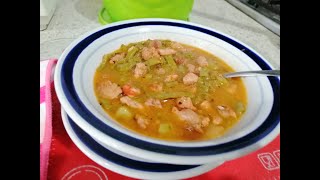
<point>118,10</point>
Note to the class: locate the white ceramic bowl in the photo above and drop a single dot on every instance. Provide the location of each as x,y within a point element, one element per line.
<point>74,86</point>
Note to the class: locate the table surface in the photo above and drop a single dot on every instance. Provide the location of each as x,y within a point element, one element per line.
<point>75,17</point>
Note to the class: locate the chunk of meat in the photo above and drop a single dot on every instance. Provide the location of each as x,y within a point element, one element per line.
<point>140,70</point>
<point>116,58</point>
<point>171,77</point>
<point>130,91</point>
<point>197,70</point>
<point>155,44</point>
<point>191,118</point>
<point>190,78</point>
<point>108,90</point>
<point>142,121</point>
<point>177,46</point>
<point>191,68</point>
<point>185,103</point>
<point>226,112</point>
<point>160,71</point>
<point>202,61</point>
<point>205,121</point>
<point>153,102</point>
<point>130,102</point>
<point>205,105</point>
<point>156,87</point>
<point>166,51</point>
<point>180,59</point>
<point>148,53</point>
<point>217,120</point>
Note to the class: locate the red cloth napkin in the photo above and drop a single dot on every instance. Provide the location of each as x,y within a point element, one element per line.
<point>66,160</point>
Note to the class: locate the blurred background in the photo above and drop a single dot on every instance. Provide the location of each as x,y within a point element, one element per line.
<point>254,22</point>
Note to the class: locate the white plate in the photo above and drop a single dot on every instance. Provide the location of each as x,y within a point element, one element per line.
<point>76,67</point>
<point>125,166</point>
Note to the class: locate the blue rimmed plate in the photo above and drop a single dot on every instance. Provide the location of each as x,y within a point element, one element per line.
<point>259,125</point>
<point>126,166</point>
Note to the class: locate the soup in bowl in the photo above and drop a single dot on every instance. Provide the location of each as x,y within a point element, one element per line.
<point>167,90</point>
<point>134,85</point>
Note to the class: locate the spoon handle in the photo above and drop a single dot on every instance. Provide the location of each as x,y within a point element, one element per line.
<point>253,73</point>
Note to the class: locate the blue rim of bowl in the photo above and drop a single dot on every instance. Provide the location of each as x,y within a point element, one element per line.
<point>262,131</point>
<point>94,146</point>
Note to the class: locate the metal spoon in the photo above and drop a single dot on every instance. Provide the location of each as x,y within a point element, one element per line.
<point>253,73</point>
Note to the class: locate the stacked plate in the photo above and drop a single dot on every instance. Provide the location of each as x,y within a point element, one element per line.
<point>129,165</point>
<point>116,148</point>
